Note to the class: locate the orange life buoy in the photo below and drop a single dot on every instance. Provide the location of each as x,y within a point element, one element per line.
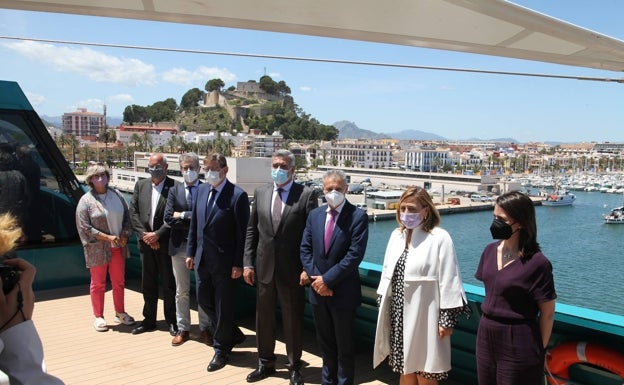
<point>562,356</point>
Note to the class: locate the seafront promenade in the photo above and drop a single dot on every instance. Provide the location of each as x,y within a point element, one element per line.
<point>464,204</point>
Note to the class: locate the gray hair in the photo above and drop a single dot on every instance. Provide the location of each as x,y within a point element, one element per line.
<point>336,174</point>
<point>94,169</point>
<point>283,153</point>
<point>190,156</point>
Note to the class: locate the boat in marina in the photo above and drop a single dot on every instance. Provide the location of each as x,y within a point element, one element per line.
<point>559,199</point>
<point>616,216</point>
<point>20,125</point>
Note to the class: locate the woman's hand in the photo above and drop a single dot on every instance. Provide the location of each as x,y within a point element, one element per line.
<point>444,332</point>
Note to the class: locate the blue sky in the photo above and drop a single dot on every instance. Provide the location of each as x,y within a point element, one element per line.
<point>59,78</point>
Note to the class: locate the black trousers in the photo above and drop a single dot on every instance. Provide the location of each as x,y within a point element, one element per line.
<point>156,267</point>
<point>216,295</point>
<point>335,332</point>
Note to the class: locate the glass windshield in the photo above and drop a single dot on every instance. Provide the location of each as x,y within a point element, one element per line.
<point>35,185</point>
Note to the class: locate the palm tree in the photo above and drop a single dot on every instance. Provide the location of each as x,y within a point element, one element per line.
<point>73,142</point>
<point>136,139</point>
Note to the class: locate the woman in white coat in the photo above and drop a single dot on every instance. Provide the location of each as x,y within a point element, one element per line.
<point>420,294</point>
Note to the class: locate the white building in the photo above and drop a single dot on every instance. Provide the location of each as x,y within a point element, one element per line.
<point>362,153</point>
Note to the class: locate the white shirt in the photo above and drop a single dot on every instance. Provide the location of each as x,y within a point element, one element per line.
<point>156,191</point>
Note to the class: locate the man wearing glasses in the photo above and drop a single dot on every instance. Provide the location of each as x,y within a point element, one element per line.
<point>180,204</point>
<point>278,217</point>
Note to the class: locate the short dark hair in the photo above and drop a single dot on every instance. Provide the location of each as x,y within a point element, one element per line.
<point>218,157</point>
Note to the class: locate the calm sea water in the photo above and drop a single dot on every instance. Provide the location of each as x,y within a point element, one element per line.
<point>586,254</point>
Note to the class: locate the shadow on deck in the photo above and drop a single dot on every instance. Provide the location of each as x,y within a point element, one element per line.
<point>78,354</point>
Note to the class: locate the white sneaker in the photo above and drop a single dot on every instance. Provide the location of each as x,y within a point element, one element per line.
<point>100,324</point>
<point>124,318</point>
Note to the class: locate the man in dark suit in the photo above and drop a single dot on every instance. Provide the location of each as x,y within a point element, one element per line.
<point>216,241</point>
<point>178,212</point>
<point>333,245</point>
<point>147,214</point>
<point>278,217</point>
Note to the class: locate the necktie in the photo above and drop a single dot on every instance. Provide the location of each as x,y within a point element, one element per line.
<point>190,199</point>
<point>329,229</point>
<point>277,208</point>
<point>211,201</point>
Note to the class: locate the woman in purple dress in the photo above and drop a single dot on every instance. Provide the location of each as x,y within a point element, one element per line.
<point>519,305</point>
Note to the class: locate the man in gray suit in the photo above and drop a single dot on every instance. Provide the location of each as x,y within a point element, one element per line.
<point>147,214</point>
<point>278,217</point>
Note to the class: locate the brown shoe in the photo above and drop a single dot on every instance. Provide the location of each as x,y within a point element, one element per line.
<point>206,338</point>
<point>180,338</point>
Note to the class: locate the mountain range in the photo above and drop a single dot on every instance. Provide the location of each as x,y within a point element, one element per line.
<point>349,130</point>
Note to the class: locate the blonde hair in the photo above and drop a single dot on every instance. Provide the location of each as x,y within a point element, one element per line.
<point>431,219</point>
<point>10,233</point>
<point>95,169</point>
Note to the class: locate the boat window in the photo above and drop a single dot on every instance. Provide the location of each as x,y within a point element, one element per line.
<point>34,185</point>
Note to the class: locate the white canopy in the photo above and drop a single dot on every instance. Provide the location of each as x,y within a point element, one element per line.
<point>490,27</point>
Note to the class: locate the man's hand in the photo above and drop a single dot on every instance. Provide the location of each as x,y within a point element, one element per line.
<point>190,263</point>
<point>319,286</point>
<point>304,279</point>
<point>249,275</point>
<point>237,272</point>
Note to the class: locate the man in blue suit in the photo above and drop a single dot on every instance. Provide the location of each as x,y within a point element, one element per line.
<point>333,245</point>
<point>216,241</point>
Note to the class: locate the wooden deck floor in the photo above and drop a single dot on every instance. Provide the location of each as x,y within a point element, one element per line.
<point>78,354</point>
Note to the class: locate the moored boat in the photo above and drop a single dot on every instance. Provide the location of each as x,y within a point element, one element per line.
<point>616,216</point>
<point>559,199</point>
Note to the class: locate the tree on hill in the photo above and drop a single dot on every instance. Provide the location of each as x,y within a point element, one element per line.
<point>135,114</point>
<point>268,85</point>
<point>292,123</point>
<point>158,112</point>
<point>191,98</point>
<point>214,85</point>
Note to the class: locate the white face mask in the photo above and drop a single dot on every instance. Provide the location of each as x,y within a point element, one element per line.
<point>410,220</point>
<point>213,178</point>
<point>334,198</point>
<point>190,176</point>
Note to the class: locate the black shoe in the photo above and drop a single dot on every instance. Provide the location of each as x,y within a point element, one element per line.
<point>218,361</point>
<point>143,327</point>
<point>295,377</point>
<point>173,329</point>
<point>260,373</point>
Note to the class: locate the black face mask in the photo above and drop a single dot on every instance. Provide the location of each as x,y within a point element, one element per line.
<point>500,229</point>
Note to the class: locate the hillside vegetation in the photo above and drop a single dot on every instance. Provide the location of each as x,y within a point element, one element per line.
<point>267,110</point>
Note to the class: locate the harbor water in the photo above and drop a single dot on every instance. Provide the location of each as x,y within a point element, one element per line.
<point>586,253</point>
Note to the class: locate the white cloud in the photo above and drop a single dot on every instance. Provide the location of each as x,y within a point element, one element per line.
<point>35,99</point>
<point>87,62</point>
<point>305,88</point>
<point>198,77</point>
<point>92,105</point>
<point>120,99</point>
